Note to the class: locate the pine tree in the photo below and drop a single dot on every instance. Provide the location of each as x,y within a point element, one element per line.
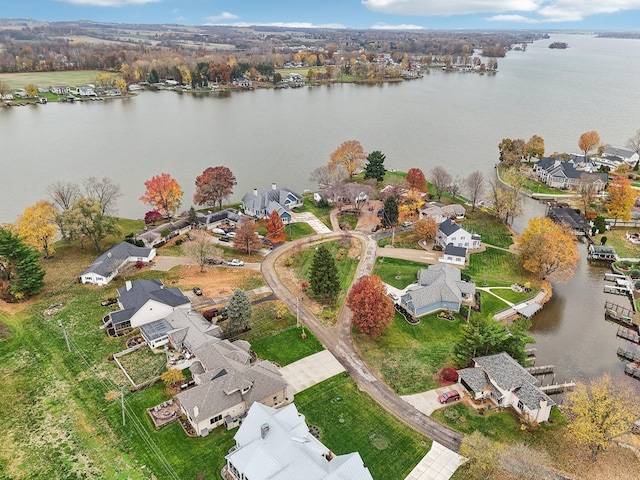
<point>375,166</point>
<point>19,266</point>
<point>323,277</point>
<point>390,212</point>
<point>239,311</point>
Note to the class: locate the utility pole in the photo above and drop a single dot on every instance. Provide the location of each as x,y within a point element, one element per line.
<point>64,332</point>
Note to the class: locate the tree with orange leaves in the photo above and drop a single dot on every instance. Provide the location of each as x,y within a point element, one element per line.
<point>275,227</point>
<point>622,196</point>
<point>163,193</point>
<point>588,141</point>
<point>548,250</point>
<point>351,155</point>
<point>372,308</point>
<point>416,179</point>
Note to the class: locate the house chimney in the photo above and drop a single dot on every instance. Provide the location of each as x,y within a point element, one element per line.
<point>255,192</point>
<point>273,186</point>
<point>196,412</point>
<point>264,429</point>
<point>127,285</point>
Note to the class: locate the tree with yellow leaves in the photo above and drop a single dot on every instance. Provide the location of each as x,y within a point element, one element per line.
<point>622,196</point>
<point>351,155</point>
<point>426,228</point>
<point>600,411</point>
<point>121,84</point>
<point>31,90</point>
<point>588,141</point>
<point>547,250</point>
<point>37,226</point>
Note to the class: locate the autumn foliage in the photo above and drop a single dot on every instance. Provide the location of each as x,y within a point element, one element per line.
<point>622,196</point>
<point>37,226</point>
<point>588,141</point>
<point>275,227</point>
<point>548,250</point>
<point>426,228</point>
<point>214,185</point>
<point>416,180</point>
<point>246,238</point>
<point>350,155</point>
<point>163,193</point>
<point>372,308</point>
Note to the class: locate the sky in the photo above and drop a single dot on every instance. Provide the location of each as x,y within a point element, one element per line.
<point>356,14</point>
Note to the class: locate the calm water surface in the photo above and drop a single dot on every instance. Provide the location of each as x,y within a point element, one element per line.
<point>451,119</point>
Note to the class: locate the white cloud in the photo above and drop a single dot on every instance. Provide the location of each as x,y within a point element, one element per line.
<point>281,25</point>
<point>222,16</point>
<point>109,3</point>
<point>384,26</point>
<point>538,11</point>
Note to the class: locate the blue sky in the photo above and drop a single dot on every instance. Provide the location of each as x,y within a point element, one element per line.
<point>396,14</point>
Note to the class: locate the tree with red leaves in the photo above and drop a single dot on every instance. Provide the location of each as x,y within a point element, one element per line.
<point>275,227</point>
<point>164,193</point>
<point>152,216</point>
<point>371,306</point>
<point>214,185</point>
<point>246,238</point>
<point>416,179</point>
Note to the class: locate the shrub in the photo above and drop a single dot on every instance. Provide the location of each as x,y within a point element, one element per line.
<point>322,203</point>
<point>139,265</point>
<point>179,242</point>
<point>635,273</point>
<point>448,374</point>
<point>288,262</point>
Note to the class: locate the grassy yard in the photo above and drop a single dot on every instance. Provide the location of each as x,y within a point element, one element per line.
<point>287,347</point>
<point>495,268</point>
<point>490,304</point>
<point>409,356</point>
<point>388,447</point>
<point>396,272</point>
<point>408,239</point>
<point>295,231</point>
<point>50,79</point>
<point>143,364</point>
<point>492,230</point>
<point>351,219</point>
<point>617,239</point>
<point>514,297</point>
<point>321,213</point>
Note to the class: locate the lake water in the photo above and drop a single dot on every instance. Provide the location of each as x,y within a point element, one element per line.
<point>455,120</point>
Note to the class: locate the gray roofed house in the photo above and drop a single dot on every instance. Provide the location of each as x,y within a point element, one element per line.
<point>454,255</point>
<point>153,237</point>
<point>145,301</point>
<point>276,444</point>
<point>439,287</point>
<point>504,381</point>
<point>213,219</point>
<point>450,232</point>
<point>183,328</point>
<point>557,173</point>
<point>107,265</point>
<point>280,199</point>
<point>228,384</point>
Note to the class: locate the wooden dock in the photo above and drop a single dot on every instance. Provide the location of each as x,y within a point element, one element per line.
<point>628,355</point>
<point>558,388</point>
<point>541,370</point>
<point>633,370</point>
<point>620,315</point>
<point>530,352</point>
<point>628,334</point>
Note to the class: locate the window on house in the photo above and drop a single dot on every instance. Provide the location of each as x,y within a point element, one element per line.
<point>216,419</point>
<point>520,405</point>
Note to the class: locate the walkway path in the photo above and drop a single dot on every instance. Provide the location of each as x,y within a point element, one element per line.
<point>439,464</point>
<point>338,341</point>
<point>488,290</point>
<point>313,221</point>
<point>514,309</point>
<point>310,370</point>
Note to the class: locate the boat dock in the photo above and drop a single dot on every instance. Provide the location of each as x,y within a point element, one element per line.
<point>628,355</point>
<point>633,370</point>
<point>620,315</point>
<point>622,284</point>
<point>628,334</point>
<point>541,370</point>
<point>558,388</point>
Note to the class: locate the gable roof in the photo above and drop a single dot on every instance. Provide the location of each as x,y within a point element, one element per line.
<point>451,249</point>
<point>134,296</point>
<point>112,259</point>
<point>283,196</point>
<point>449,227</point>
<point>438,283</point>
<point>226,214</point>
<point>276,445</point>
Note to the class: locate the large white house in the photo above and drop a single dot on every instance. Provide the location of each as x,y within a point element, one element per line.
<point>451,233</point>
<point>107,265</point>
<point>276,444</point>
<point>505,382</point>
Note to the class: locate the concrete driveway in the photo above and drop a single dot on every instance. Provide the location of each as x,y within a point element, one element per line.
<point>439,464</point>
<point>427,402</point>
<point>311,370</point>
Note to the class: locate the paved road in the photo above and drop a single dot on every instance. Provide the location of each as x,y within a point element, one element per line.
<point>338,341</point>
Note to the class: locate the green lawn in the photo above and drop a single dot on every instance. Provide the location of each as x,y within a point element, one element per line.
<point>490,304</point>
<point>389,448</point>
<point>295,231</point>
<point>617,239</point>
<point>143,364</point>
<point>50,79</point>
<point>495,268</point>
<point>499,426</point>
<point>514,297</point>
<point>287,347</point>
<point>409,356</point>
<point>492,230</point>
<point>321,213</point>
<point>394,175</point>
<point>396,272</point>
<point>351,219</point>
<point>408,239</point>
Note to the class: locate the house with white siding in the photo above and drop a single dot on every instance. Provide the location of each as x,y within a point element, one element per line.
<point>107,266</point>
<point>451,233</point>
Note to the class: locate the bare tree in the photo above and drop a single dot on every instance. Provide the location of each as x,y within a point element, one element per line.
<point>200,248</point>
<point>357,194</point>
<point>63,194</point>
<point>440,179</point>
<point>524,462</point>
<point>327,175</point>
<point>474,186</point>
<point>454,187</point>
<point>103,190</point>
<point>634,144</point>
<point>587,191</point>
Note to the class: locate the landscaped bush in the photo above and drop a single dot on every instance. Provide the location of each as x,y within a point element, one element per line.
<point>448,374</point>
<point>179,242</point>
<point>635,273</point>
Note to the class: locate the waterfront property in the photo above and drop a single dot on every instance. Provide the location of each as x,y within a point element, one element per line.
<point>439,288</point>
<point>602,252</point>
<point>454,255</point>
<point>505,382</point>
<point>281,200</point>
<point>570,218</point>
<point>228,383</point>
<point>450,232</point>
<point>228,216</point>
<point>274,443</point>
<point>106,266</point>
<point>566,176</point>
<point>154,236</point>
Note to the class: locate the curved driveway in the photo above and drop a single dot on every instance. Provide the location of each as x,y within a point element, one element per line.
<point>338,341</point>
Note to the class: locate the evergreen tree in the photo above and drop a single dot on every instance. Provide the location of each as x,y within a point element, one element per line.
<point>153,77</point>
<point>19,266</point>
<point>375,166</point>
<point>323,277</point>
<point>192,217</point>
<point>390,212</point>
<point>239,311</point>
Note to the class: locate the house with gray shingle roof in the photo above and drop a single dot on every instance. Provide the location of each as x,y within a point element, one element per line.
<point>454,255</point>
<point>557,173</point>
<point>281,200</point>
<point>440,287</point>
<point>142,302</point>
<point>506,383</point>
<point>228,383</point>
<point>212,219</point>
<point>450,232</point>
<point>276,444</point>
<point>107,265</point>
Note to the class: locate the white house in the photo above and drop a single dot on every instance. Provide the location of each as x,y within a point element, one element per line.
<point>142,302</point>
<point>107,265</point>
<point>274,444</point>
<point>454,255</point>
<point>451,233</point>
<point>505,382</point>
<point>228,383</point>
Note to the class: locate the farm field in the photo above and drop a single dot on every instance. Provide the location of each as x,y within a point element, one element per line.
<point>47,79</point>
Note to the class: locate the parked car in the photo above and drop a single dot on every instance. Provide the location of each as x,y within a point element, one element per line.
<point>214,261</point>
<point>406,224</point>
<point>218,231</point>
<point>450,396</point>
<point>394,297</point>
<point>231,234</point>
<point>215,312</point>
<point>235,263</point>
<point>375,229</point>
<point>108,302</point>
<point>197,291</point>
<point>225,238</point>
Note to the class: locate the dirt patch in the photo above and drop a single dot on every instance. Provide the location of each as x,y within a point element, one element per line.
<point>218,281</point>
<point>369,218</point>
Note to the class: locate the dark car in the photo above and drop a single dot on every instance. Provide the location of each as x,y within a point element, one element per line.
<point>450,396</point>
<point>380,212</point>
<point>375,229</point>
<point>108,302</point>
<point>197,291</point>
<point>215,312</point>
<point>225,238</point>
